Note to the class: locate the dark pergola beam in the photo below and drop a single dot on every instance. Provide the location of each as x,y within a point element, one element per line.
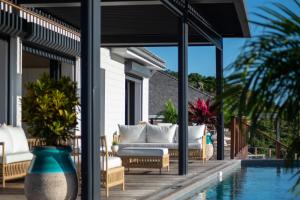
<point>195,20</point>
<point>90,99</point>
<point>219,93</point>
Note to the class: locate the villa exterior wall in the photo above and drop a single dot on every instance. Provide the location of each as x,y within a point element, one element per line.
<point>114,92</point>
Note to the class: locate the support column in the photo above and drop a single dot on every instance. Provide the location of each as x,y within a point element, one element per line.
<point>90,98</point>
<point>220,115</point>
<point>182,96</point>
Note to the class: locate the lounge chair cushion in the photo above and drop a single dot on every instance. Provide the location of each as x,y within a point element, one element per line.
<point>19,140</point>
<point>195,133</point>
<point>17,157</point>
<point>160,145</point>
<point>132,133</point>
<point>160,134</point>
<point>5,137</point>
<point>143,151</point>
<point>112,162</point>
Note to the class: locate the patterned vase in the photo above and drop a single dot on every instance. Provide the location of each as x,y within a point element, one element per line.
<point>52,175</point>
<point>209,146</point>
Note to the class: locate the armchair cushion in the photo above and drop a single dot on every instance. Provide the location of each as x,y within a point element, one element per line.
<point>5,137</point>
<point>132,133</point>
<point>195,133</point>
<point>112,162</point>
<point>17,157</point>
<point>19,139</point>
<point>160,134</point>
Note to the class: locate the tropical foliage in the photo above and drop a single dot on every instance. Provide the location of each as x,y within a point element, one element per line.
<point>49,109</point>
<point>198,81</point>
<point>200,112</point>
<point>170,113</point>
<point>264,80</point>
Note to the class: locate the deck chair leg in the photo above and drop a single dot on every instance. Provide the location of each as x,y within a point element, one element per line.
<point>3,183</point>
<point>123,186</point>
<point>107,192</point>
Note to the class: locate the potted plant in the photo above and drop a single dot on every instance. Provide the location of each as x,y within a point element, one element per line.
<point>115,146</point>
<point>49,110</point>
<point>200,112</point>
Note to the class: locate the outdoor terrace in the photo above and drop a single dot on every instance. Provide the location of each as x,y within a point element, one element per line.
<point>148,183</point>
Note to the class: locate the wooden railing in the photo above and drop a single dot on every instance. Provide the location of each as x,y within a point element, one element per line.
<point>239,137</point>
<point>40,18</point>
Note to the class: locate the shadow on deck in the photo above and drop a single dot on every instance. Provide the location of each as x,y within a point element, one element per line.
<point>148,183</point>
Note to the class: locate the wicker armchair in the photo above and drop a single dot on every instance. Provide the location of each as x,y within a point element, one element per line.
<point>112,171</point>
<point>15,157</point>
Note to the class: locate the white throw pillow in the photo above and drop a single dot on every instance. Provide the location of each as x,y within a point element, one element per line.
<point>195,133</point>
<point>132,133</point>
<point>19,139</point>
<point>160,134</point>
<point>5,137</point>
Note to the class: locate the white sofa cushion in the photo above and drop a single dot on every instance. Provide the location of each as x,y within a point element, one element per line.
<point>160,145</point>
<point>112,162</point>
<point>195,133</point>
<point>143,151</point>
<point>5,137</point>
<point>160,134</point>
<point>132,133</point>
<point>19,139</point>
<point>17,157</point>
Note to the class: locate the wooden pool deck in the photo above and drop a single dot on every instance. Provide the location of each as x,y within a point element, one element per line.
<point>148,184</point>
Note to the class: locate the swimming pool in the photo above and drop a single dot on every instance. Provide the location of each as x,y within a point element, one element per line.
<point>252,183</point>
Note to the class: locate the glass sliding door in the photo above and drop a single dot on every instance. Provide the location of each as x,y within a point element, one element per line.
<point>4,96</point>
<point>133,101</point>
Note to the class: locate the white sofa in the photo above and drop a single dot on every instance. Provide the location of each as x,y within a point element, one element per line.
<point>15,156</point>
<point>163,136</point>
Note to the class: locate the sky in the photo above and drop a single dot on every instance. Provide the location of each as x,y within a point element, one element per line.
<point>202,59</point>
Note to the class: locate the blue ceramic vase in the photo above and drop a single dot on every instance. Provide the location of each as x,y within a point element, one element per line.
<point>51,175</point>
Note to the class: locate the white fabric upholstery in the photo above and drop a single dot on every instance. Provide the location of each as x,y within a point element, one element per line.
<point>159,145</point>
<point>17,157</point>
<point>142,151</point>
<point>19,140</point>
<point>5,137</point>
<point>112,162</point>
<point>132,133</point>
<point>195,133</point>
<point>160,134</point>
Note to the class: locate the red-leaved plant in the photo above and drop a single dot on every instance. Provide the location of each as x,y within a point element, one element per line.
<point>200,112</point>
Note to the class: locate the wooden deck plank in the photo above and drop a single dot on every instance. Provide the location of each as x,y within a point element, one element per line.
<point>140,183</point>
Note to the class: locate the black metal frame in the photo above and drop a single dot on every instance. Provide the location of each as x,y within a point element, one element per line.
<point>90,98</point>
<point>220,115</point>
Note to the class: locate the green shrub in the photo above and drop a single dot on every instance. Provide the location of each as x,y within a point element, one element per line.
<point>49,109</point>
<point>170,113</point>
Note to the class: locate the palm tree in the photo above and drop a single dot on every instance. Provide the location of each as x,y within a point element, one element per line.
<point>265,78</point>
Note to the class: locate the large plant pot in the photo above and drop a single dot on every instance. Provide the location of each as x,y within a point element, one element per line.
<point>51,175</point>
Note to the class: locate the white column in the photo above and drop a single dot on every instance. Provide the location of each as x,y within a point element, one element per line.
<point>145,100</point>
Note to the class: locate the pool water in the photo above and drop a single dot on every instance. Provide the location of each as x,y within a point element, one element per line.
<point>253,183</point>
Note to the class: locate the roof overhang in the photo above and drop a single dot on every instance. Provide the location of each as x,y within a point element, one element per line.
<point>150,22</point>
<point>141,56</point>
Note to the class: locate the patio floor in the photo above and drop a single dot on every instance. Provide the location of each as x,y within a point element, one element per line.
<point>149,184</point>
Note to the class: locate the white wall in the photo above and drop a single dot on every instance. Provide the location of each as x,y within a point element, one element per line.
<point>145,100</point>
<point>114,70</point>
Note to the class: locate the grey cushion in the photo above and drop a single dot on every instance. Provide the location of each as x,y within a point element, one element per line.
<point>132,133</point>
<point>142,151</point>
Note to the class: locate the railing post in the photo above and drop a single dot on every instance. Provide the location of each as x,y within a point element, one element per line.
<point>255,150</point>
<point>270,153</point>
<point>233,141</point>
